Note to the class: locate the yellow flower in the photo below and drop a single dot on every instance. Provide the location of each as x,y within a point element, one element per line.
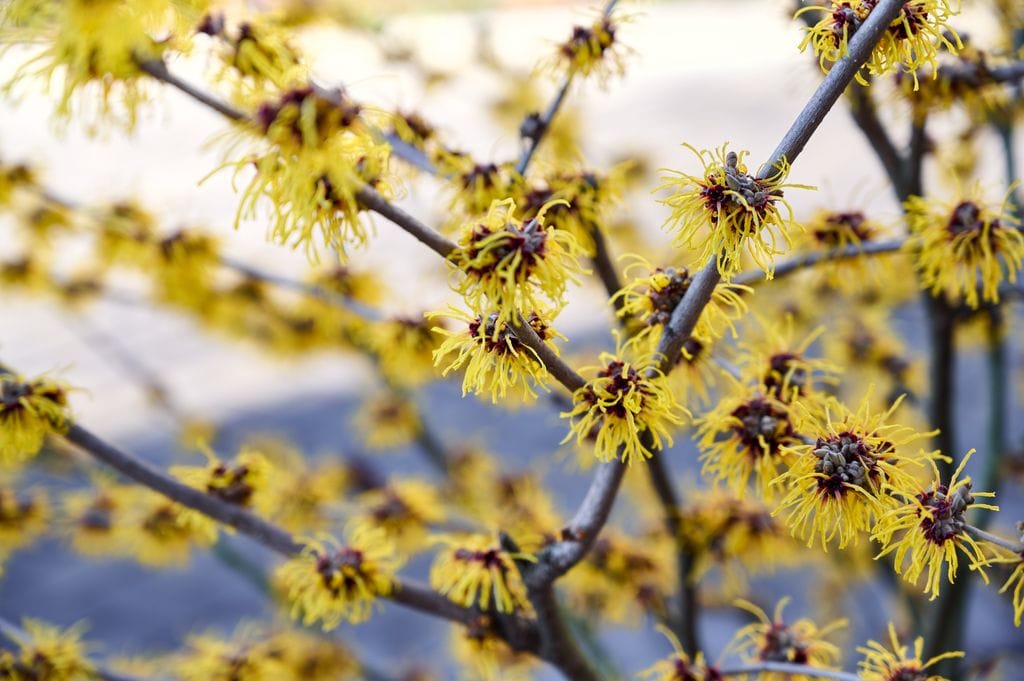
<point>241,658</point>
<point>726,210</point>
<point>626,398</point>
<point>493,359</point>
<point>257,57</point>
<point>404,509</point>
<point>695,371</point>
<point>387,420</point>
<point>412,128</point>
<point>578,202</point>
<point>679,666</point>
<point>738,534</point>
<point>957,244</point>
<point>830,231</point>
<point>518,502</point>
<point>487,656</point>
<point>773,357</point>
<point>591,50</point>
<point>29,410</point>
<point>328,582</point>
<point>161,532</point>
<point>775,640</point>
<point>965,80</point>
<point>854,470</point>
<point>747,435</point>
<point>13,177</point>
<point>882,664</point>
<point>651,296</point>
<point>866,349</point>
<point>405,346</point>
<point>96,520</point>
<point>1017,576</point>
<point>473,570</point>
<point>912,39</point>
<point>308,657</point>
<point>45,653</point>
<point>929,529</point>
<point>514,266</point>
<point>623,576</point>
<point>300,494</point>
<point>94,47</point>
<point>243,482</point>
<point>478,185</point>
<point>23,517</point>
<point>317,154</point>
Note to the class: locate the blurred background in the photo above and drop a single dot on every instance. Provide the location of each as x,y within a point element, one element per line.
<point>698,71</point>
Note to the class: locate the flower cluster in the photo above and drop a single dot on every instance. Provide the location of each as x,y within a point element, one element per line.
<point>884,664</point>
<point>511,266</point>
<point>726,211</point>
<point>96,47</point>
<point>959,245</point>
<point>318,153</point>
<point>329,582</point>
<point>927,533</point>
<point>775,640</point>
<point>592,50</point>
<point>856,467</point>
<point>627,409</point>
<point>912,40</point>
<point>45,653</point>
<point>29,411</point>
<point>652,294</point>
<point>493,359</point>
<point>474,570</point>
<point>243,482</point>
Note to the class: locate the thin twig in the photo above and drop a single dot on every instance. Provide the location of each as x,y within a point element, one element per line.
<point>157,68</point>
<point>835,82</point>
<point>557,644</point>
<point>555,365</point>
<point>685,316</point>
<point>577,538</point>
<point>367,196</point>
<point>605,268</point>
<point>813,259</point>
<point>544,122</point>
<point>685,620</point>
<point>865,115</point>
<point>982,535</point>
<point>915,158</point>
<point>433,239</point>
<point>1007,73</point>
<point>273,537</point>
<point>788,668</point>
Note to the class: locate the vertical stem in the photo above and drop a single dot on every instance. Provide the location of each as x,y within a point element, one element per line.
<point>684,618</point>
<point>940,407</point>
<point>557,645</point>
<point>998,380</point>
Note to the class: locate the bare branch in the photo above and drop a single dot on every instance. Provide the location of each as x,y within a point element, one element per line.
<point>865,115</point>
<point>557,367</point>
<point>788,668</point>
<point>406,593</point>
<point>158,69</point>
<point>544,122</point>
<point>433,239</point>
<point>821,257</point>
<point>685,316</point>
<point>982,535</point>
